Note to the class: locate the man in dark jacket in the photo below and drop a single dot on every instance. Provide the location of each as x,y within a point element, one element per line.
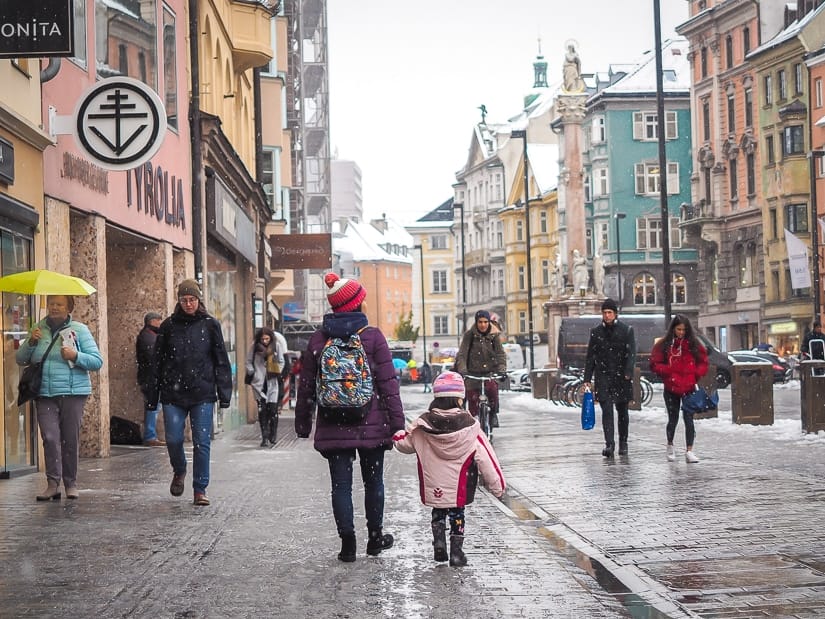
<point>191,373</point>
<point>481,354</point>
<point>370,437</point>
<point>611,355</point>
<point>813,334</point>
<point>145,356</point>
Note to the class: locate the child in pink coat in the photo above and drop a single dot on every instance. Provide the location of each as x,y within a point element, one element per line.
<point>452,452</point>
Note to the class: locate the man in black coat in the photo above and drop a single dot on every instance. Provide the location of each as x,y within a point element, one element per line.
<point>611,355</point>
<point>144,354</point>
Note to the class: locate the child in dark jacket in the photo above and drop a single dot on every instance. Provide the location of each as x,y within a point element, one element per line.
<point>452,451</point>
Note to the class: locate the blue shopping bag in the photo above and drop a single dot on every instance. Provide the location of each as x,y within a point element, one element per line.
<point>588,411</point>
<point>699,401</point>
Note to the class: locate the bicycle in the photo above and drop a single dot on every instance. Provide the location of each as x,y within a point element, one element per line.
<point>484,408</point>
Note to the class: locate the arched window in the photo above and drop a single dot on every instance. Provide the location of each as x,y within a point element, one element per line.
<point>679,287</point>
<point>644,289</point>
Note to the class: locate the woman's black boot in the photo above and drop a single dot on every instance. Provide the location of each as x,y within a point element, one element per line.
<point>347,554</point>
<point>378,541</point>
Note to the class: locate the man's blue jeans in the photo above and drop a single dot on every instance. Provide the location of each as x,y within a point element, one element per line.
<point>150,421</point>
<point>372,473</point>
<point>200,418</point>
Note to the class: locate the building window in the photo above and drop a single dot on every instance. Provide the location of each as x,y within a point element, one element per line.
<point>797,78</point>
<point>796,217</point>
<point>731,113</point>
<point>647,178</point>
<point>543,222</point>
<point>768,90</point>
<point>79,32</point>
<point>271,180</point>
<point>746,40</point>
<point>648,233</point>
<point>604,236</point>
<point>588,197</point>
<point>601,188</point>
<point>520,277</point>
<point>783,84</point>
<point>707,186</point>
<point>733,179</point>
<point>772,222</point>
<point>818,92</point>
<point>441,325</point>
<point>713,261</point>
<point>777,292</point>
<point>440,281</point>
<point>750,162</point>
<point>522,322</point>
<point>644,289</point>
<point>729,51</point>
<point>706,120</point>
<point>645,126</point>
<point>545,272</point>
<point>793,140</point>
<point>703,59</point>
<point>170,67</point>
<point>678,289</point>
<point>598,134</point>
<point>746,265</point>
<point>519,230</point>
<point>749,107</point>
<point>769,149</point>
<point>137,52</point>
<point>438,241</point>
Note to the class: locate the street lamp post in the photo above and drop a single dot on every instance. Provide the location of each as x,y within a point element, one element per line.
<point>814,154</point>
<point>460,206</point>
<point>420,249</point>
<point>522,133</point>
<point>619,217</point>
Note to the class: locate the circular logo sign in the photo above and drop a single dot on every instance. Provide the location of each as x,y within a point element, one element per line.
<point>120,123</point>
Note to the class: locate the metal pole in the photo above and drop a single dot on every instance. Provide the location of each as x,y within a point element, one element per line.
<point>423,309</point>
<point>665,212</point>
<point>619,217</point>
<point>528,248</point>
<point>815,232</point>
<point>463,277</point>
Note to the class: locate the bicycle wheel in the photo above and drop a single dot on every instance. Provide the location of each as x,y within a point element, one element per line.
<point>647,391</point>
<point>484,418</point>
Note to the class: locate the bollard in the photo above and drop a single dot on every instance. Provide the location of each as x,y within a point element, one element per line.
<point>751,391</point>
<point>636,403</point>
<point>709,384</point>
<point>812,396</point>
<point>539,383</point>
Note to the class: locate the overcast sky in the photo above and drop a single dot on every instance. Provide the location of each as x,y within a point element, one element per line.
<point>406,79</point>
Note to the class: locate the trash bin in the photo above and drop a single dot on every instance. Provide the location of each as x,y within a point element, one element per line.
<point>636,403</point>
<point>541,382</point>
<point>812,396</point>
<point>751,392</point>
<point>709,384</point>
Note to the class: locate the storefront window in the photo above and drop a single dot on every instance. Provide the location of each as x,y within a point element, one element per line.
<point>17,427</point>
<point>126,33</point>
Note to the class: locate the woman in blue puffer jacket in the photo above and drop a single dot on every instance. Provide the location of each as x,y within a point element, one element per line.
<point>63,391</point>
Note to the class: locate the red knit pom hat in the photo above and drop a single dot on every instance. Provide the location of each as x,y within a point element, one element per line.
<point>345,295</point>
<point>449,385</point>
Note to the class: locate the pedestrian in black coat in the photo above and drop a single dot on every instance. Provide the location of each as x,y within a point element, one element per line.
<point>145,358</point>
<point>611,356</point>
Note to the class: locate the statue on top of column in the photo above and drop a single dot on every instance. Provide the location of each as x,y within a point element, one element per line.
<point>571,70</point>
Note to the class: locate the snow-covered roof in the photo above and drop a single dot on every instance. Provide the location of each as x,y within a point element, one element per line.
<point>642,78</point>
<point>365,243</point>
<point>788,33</point>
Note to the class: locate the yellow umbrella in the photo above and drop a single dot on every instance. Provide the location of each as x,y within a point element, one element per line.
<point>43,281</point>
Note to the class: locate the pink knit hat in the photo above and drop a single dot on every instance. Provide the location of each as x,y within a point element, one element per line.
<point>345,295</point>
<point>449,385</point>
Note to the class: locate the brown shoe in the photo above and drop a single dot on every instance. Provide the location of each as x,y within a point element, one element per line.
<point>154,442</point>
<point>72,492</point>
<point>51,493</point>
<point>201,499</point>
<point>176,487</point>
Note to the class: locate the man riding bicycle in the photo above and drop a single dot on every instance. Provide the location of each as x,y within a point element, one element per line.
<point>481,353</point>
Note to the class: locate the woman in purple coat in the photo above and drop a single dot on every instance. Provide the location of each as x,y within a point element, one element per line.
<point>370,437</point>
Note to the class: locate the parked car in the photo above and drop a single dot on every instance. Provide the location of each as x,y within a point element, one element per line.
<point>519,380</point>
<point>781,369</point>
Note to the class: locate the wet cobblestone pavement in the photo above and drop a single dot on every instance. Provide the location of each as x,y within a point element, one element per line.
<point>737,535</point>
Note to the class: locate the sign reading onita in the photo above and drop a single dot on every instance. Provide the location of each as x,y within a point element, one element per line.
<point>36,29</point>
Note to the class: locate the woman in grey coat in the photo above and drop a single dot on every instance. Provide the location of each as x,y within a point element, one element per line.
<point>264,364</point>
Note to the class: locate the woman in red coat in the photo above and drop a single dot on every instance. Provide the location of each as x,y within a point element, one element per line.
<point>681,360</point>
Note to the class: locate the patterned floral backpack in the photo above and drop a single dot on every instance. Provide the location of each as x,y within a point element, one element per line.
<point>345,384</point>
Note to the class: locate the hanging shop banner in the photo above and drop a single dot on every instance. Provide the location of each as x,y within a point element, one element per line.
<point>301,251</point>
<point>797,261</point>
<point>36,29</point>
